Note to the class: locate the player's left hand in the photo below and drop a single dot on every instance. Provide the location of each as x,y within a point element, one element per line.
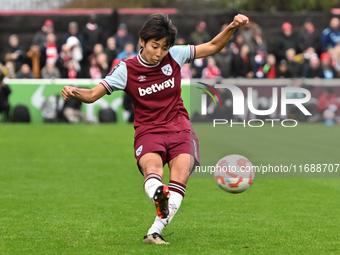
<point>67,92</point>
<point>240,20</point>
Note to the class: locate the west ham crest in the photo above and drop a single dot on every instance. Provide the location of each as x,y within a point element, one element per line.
<point>167,70</point>
<point>139,150</point>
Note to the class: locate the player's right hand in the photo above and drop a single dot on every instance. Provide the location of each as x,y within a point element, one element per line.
<point>68,92</point>
<point>240,20</point>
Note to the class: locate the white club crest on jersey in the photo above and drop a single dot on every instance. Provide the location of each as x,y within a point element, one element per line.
<point>167,70</point>
<point>139,150</point>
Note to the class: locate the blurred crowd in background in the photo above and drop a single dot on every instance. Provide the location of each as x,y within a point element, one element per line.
<point>83,52</point>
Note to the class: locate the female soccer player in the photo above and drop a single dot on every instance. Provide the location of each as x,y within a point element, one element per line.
<point>163,132</point>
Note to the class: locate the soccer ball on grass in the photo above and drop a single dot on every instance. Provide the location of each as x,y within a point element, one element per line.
<point>234,173</point>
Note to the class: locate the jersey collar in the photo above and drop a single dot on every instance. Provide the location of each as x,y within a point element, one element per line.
<point>143,62</point>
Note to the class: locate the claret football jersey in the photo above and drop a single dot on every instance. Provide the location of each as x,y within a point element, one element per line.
<point>155,90</point>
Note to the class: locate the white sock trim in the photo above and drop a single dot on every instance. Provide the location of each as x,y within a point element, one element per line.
<point>149,176</point>
<point>151,185</point>
<point>175,186</point>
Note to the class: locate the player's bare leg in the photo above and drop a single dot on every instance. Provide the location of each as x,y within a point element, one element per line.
<point>151,163</point>
<point>180,168</point>
<point>152,168</point>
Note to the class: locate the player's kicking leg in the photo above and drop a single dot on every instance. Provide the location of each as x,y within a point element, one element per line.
<point>179,173</point>
<point>152,167</point>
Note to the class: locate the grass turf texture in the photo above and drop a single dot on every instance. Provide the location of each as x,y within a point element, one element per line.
<point>75,189</point>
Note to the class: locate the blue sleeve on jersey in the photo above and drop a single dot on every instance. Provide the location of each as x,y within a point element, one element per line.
<point>116,79</point>
<point>183,54</point>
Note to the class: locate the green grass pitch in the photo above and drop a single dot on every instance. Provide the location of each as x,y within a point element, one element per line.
<point>75,189</point>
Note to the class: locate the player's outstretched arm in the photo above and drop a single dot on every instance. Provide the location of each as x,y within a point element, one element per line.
<point>219,41</point>
<point>84,95</point>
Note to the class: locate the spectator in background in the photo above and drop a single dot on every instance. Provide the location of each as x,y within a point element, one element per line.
<point>76,51</point>
<point>73,31</point>
<point>93,34</point>
<point>314,69</point>
<point>101,60</point>
<point>200,35</point>
<point>14,54</point>
<point>39,37</point>
<point>186,72</point>
<point>5,91</point>
<point>259,62</point>
<point>180,40</point>
<point>111,50</point>
<point>242,66</point>
<point>326,64</point>
<point>331,35</point>
<point>335,55</point>
<point>123,37</point>
<point>64,57</point>
<point>327,99</point>
<point>71,70</point>
<point>50,71</point>
<point>75,40</point>
<point>237,44</point>
<point>97,49</point>
<point>197,67</point>
<point>98,66</point>
<point>257,42</point>
<point>127,53</point>
<point>286,40</point>
<point>294,66</point>
<point>308,37</point>
<point>328,105</point>
<point>307,55</point>
<point>10,70</point>
<point>253,36</point>
<point>25,72</point>
<point>211,71</point>
<point>49,52</point>
<point>248,30</point>
<point>269,68</point>
<point>224,60</point>
<point>35,55</point>
<point>94,72</point>
<point>283,71</point>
